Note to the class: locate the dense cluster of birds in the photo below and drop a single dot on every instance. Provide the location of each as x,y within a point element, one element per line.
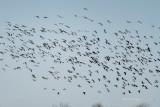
<point>124,59</point>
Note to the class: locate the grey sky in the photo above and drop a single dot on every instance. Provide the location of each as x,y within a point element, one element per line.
<point>17,88</point>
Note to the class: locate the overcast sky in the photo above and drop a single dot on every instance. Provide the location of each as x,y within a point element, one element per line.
<point>17,88</point>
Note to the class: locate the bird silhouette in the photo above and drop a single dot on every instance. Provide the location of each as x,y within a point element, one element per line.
<point>97,56</point>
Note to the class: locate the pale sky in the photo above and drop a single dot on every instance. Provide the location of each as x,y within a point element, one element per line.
<point>17,87</point>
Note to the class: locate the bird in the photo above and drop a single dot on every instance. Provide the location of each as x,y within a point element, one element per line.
<point>129,91</point>
<point>84,93</point>
<point>123,93</point>
<point>94,55</point>
<point>37,16</point>
<point>139,22</point>
<point>85,9</point>
<point>33,76</point>
<point>60,16</point>
<point>58,93</point>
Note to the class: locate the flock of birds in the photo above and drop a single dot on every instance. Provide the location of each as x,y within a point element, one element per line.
<point>125,59</point>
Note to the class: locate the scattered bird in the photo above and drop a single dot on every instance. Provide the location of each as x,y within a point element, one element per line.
<point>84,93</point>
<point>119,57</point>
<point>85,9</point>
<point>37,16</point>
